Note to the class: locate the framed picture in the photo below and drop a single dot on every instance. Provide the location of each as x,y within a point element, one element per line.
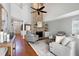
<point>39,24</point>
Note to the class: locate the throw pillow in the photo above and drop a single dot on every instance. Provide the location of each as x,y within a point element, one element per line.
<point>67,40</point>
<point>59,39</point>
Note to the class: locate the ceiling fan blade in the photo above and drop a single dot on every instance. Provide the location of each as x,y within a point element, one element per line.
<point>33,8</point>
<point>33,12</point>
<point>43,11</point>
<point>38,13</point>
<point>42,8</point>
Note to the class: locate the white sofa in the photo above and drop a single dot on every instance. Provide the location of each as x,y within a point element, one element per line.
<point>66,48</point>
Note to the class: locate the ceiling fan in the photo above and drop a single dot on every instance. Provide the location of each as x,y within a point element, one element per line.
<point>39,10</point>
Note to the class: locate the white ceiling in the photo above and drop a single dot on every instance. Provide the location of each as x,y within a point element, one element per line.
<point>22,5</point>
<point>21,11</point>
<point>55,10</point>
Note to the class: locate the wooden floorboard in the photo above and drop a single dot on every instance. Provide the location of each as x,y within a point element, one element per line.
<point>23,48</point>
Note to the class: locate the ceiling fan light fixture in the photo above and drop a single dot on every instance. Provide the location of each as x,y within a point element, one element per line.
<point>39,10</point>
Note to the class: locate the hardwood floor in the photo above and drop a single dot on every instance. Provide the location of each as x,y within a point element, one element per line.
<point>23,48</point>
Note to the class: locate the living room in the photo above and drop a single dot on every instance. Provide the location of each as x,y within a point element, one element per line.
<point>43,29</point>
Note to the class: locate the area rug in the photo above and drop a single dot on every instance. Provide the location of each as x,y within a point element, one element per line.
<point>41,48</point>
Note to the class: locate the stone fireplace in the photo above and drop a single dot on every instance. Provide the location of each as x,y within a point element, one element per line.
<point>38,25</point>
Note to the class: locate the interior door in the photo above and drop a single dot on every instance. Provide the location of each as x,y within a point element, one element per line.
<point>17,26</point>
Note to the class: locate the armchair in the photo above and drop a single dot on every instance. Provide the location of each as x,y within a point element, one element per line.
<point>32,37</point>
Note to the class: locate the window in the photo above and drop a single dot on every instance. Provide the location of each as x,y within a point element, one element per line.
<point>75,27</point>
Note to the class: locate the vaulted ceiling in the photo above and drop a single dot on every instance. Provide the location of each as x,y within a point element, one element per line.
<point>57,10</point>
<point>54,10</point>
